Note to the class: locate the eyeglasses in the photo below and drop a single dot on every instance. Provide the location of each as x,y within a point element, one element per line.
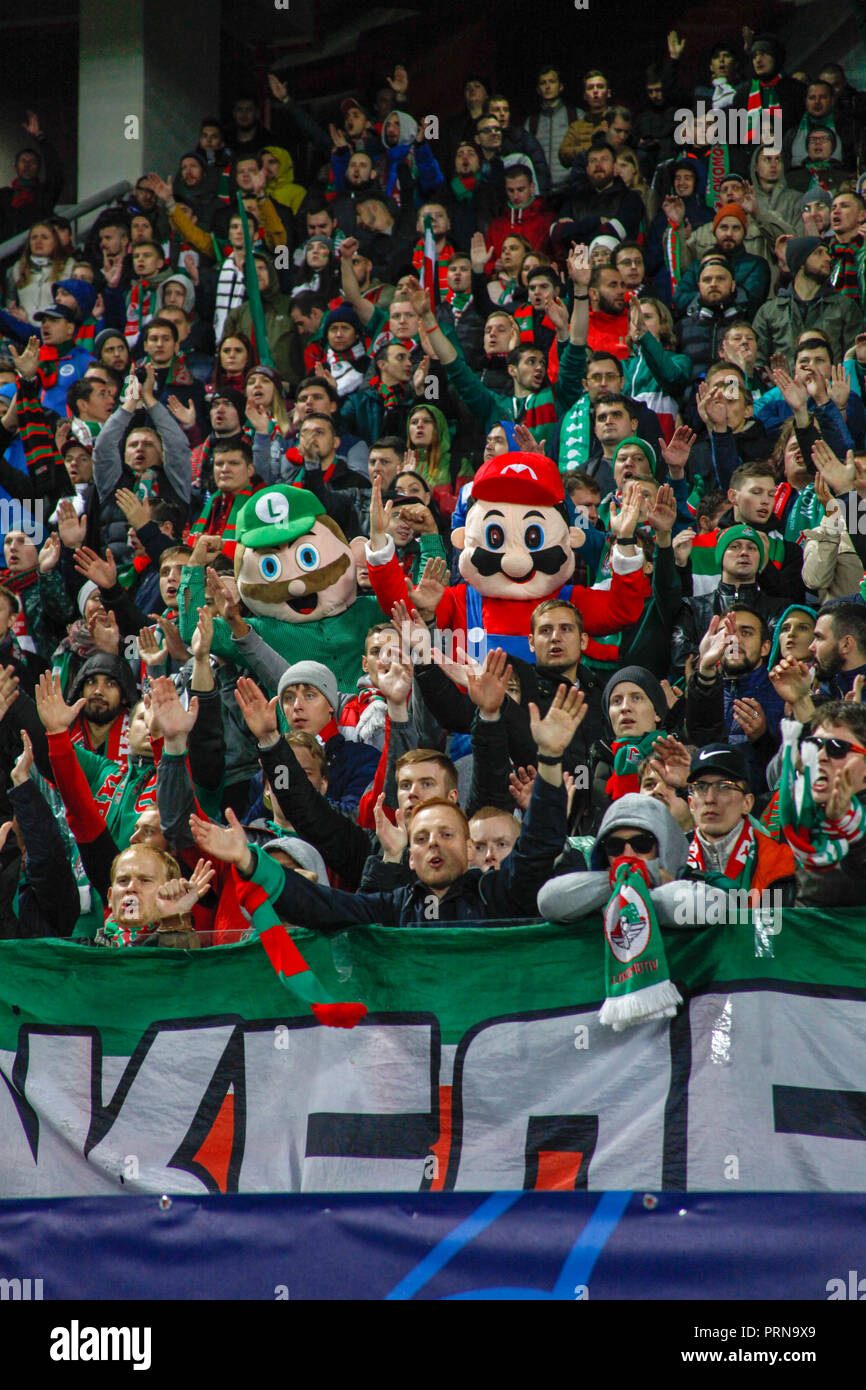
<point>614,845</point>
<point>835,748</point>
<point>700,789</point>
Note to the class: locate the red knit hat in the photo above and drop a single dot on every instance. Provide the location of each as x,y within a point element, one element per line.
<point>730,210</point>
<point>519,477</point>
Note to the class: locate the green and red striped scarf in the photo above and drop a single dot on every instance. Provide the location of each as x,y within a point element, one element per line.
<point>817,843</point>
<point>219,517</point>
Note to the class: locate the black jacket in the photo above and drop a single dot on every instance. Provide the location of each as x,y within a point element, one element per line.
<point>503,894</point>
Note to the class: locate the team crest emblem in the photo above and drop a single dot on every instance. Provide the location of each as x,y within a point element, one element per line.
<point>627,926</point>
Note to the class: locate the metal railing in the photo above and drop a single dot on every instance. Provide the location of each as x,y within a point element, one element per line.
<point>74,211</point>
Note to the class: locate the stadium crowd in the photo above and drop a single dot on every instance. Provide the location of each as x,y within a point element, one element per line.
<point>478,522</point>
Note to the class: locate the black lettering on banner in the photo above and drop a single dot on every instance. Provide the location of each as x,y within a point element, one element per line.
<point>827,1114</point>
<point>560,1138</point>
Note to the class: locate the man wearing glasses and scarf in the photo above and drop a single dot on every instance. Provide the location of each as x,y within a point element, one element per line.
<point>822,806</point>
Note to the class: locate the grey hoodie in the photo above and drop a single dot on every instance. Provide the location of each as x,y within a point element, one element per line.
<point>574,896</point>
<point>778,210</point>
<point>188,290</point>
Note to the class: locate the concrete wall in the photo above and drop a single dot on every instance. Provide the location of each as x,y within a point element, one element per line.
<point>154,64</point>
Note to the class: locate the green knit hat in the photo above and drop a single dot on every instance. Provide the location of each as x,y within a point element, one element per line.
<point>741,532</point>
<point>277,516</point>
<point>647,448</point>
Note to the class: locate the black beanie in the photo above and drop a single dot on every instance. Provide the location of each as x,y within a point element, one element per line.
<point>638,675</point>
<point>798,250</point>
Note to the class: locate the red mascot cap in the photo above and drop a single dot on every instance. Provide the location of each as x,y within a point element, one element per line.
<point>520,478</point>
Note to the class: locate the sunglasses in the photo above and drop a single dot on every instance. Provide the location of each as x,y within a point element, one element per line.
<point>614,845</point>
<point>835,748</point>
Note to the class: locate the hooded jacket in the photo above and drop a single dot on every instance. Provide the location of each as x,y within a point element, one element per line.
<point>533,222</point>
<point>282,188</point>
<point>778,208</point>
<point>570,897</point>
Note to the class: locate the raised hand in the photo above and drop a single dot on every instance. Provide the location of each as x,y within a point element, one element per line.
<point>624,520</point>
<point>663,512</point>
<point>578,265</point>
<point>672,694</point>
<point>391,837</point>
<point>855,695</point>
<point>150,650</point>
<point>49,554</point>
<point>682,543</point>
<point>554,732</point>
<point>184,414</point>
<point>104,630</point>
<point>419,376</point>
<point>191,266</point>
<point>348,246</point>
<point>136,509</point>
<point>520,783</point>
<point>161,187</point>
<point>205,549</point>
<point>674,209</point>
<point>55,714</point>
<point>418,296</point>
<point>226,843</point>
<point>8,689</point>
<point>24,761</point>
<point>792,680</point>
<point>778,360</point>
<point>676,453</point>
<point>840,477</point>
<point>839,387</point>
<point>558,315</point>
<point>174,721</point>
<point>31,125</point>
<point>671,761</point>
<point>176,648</point>
<point>396,683</point>
<point>260,714</point>
<point>71,528</point>
<point>380,515</point>
<point>200,642</point>
<point>26,361</point>
<point>258,418</point>
<point>712,406</point>
<point>526,440</point>
<point>488,689</point>
<point>794,392</point>
<point>838,803</point>
<point>675,45</point>
<point>426,595</point>
<point>180,895</point>
<point>279,90</point>
<point>222,596</point>
<point>103,573</point>
<point>714,643</point>
<point>414,637</point>
<point>479,252</point>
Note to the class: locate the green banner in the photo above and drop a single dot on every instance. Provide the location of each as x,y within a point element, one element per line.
<point>481,1064</point>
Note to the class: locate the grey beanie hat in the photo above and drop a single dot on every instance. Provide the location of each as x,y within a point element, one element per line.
<point>303,853</point>
<point>312,673</point>
<point>816,194</point>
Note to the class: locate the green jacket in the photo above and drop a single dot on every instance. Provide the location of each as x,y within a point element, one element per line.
<point>779,323</point>
<point>337,642</point>
<point>490,407</point>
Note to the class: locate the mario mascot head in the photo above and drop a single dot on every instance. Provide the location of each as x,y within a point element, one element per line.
<point>292,562</point>
<point>517,542</point>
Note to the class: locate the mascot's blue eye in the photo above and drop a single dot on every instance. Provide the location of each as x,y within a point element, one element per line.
<point>494,536</point>
<point>307,557</point>
<point>533,536</point>
<point>269,567</point>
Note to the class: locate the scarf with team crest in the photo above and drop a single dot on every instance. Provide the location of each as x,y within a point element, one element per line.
<point>638,988</point>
